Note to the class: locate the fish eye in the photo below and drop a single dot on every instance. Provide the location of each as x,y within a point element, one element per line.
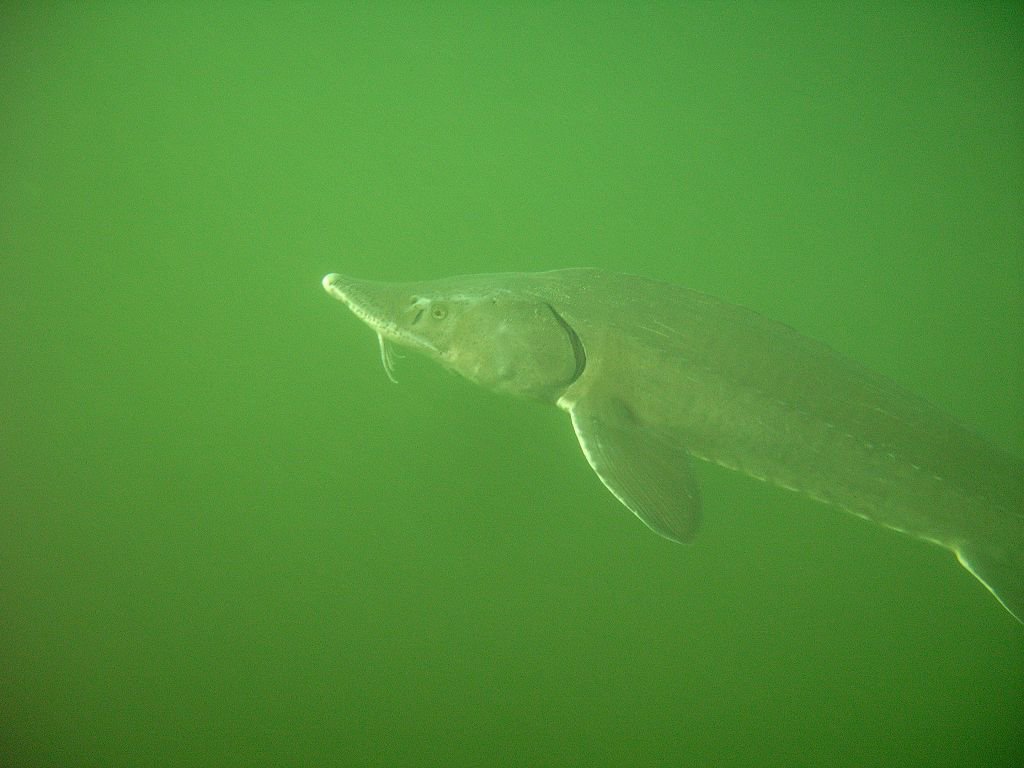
<point>439,312</point>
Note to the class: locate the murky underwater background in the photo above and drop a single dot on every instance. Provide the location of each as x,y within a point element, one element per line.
<point>226,539</point>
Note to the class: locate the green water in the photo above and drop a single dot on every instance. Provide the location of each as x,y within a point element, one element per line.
<point>226,539</point>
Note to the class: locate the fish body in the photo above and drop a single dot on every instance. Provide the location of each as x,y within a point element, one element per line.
<point>652,374</point>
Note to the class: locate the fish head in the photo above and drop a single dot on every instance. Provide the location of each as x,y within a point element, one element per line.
<point>486,328</point>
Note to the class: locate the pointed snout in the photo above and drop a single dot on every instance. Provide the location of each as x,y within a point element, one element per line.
<point>347,289</point>
<point>376,304</point>
<point>364,298</point>
<point>333,283</point>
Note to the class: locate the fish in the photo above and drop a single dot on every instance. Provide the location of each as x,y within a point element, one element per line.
<point>654,375</point>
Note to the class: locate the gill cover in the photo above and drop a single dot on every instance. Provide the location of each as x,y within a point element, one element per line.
<point>516,346</point>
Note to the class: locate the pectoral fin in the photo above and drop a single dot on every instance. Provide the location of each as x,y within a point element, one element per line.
<point>646,469</point>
